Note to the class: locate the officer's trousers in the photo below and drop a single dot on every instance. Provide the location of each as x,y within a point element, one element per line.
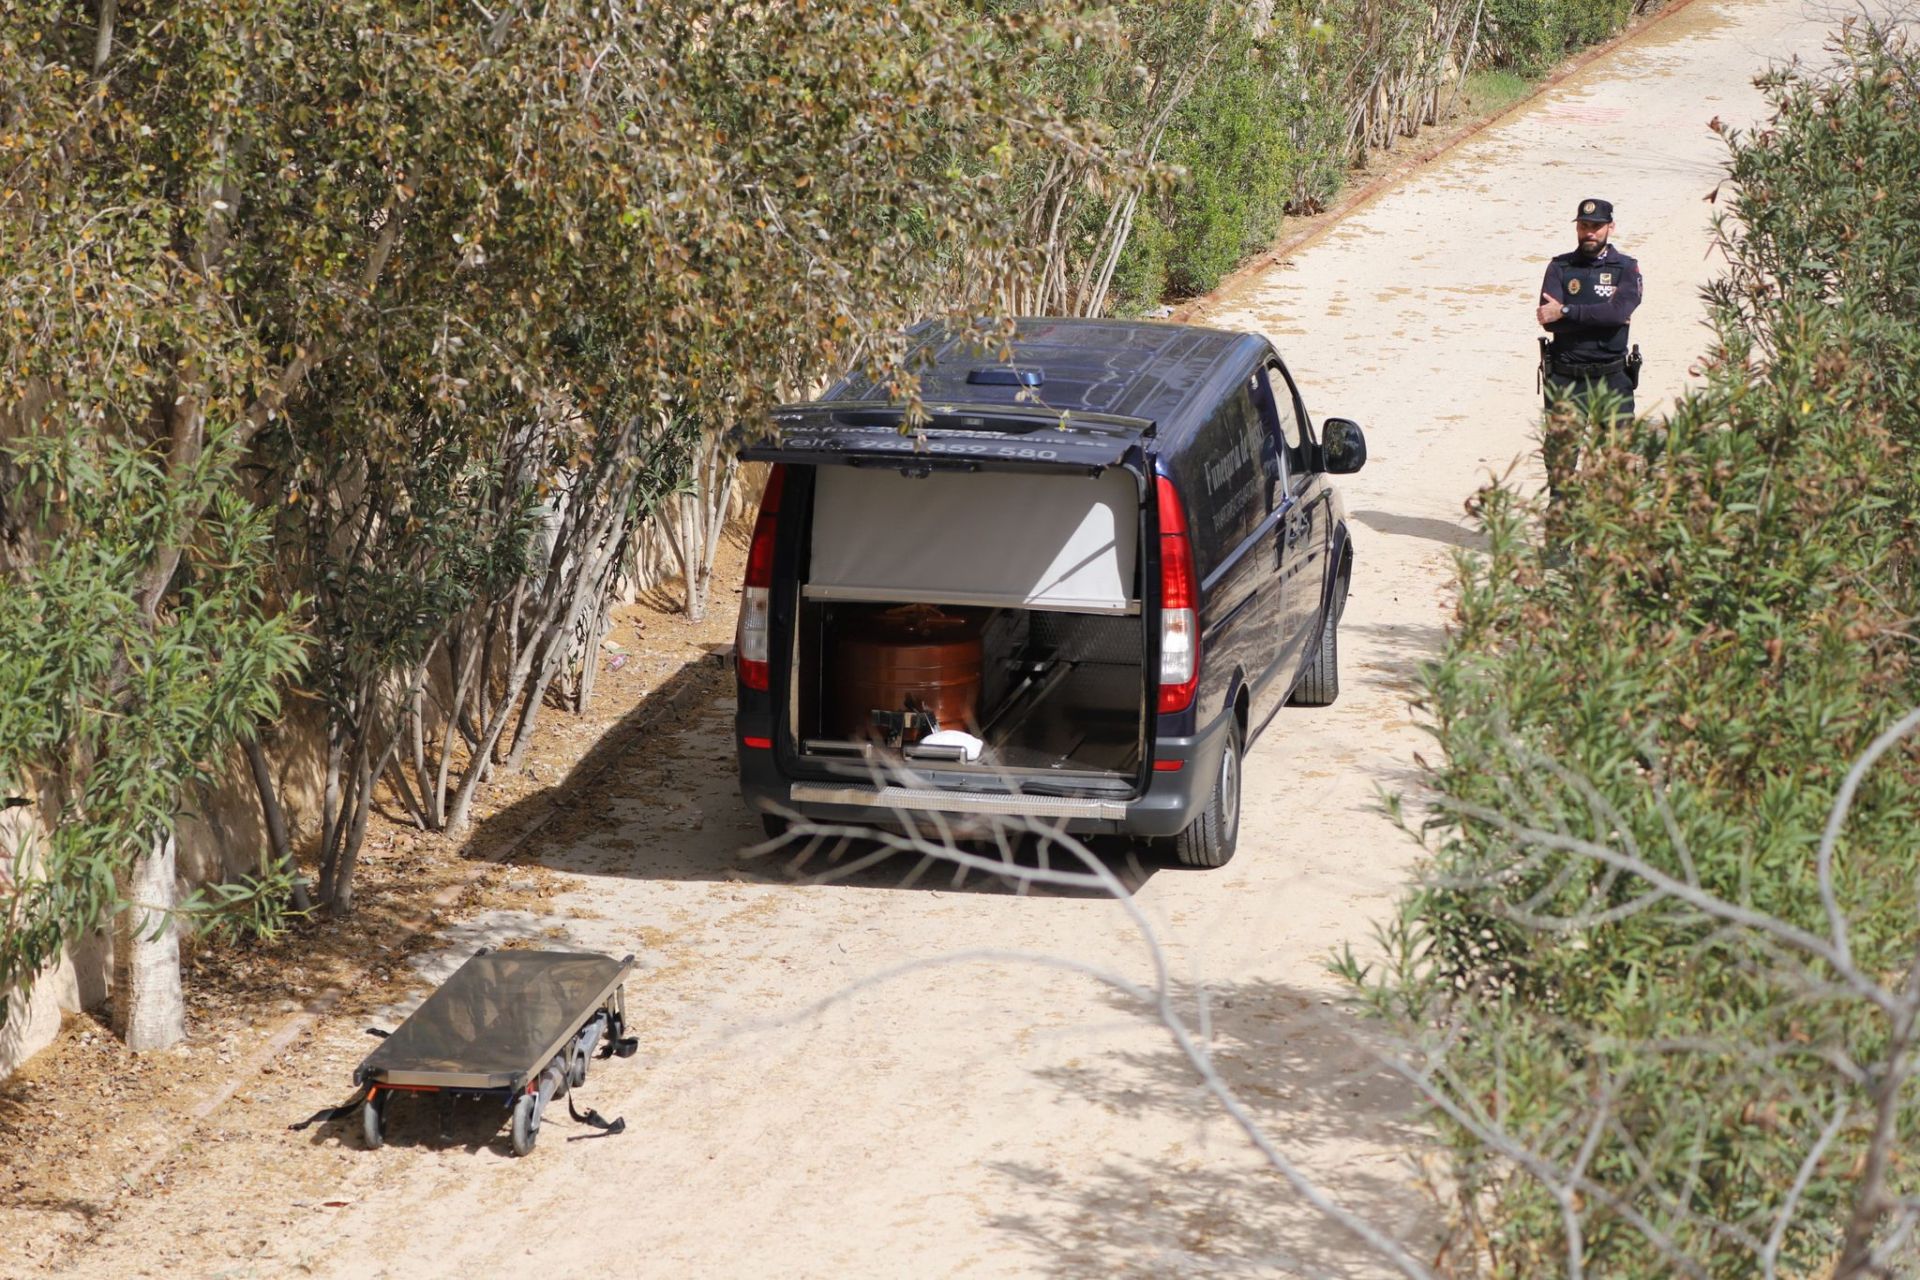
<point>1558,451</point>
<point>1560,387</point>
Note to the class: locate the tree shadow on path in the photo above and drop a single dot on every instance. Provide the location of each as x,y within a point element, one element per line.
<point>1305,1070</point>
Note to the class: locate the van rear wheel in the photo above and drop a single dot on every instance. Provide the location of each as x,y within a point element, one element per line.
<point>1209,841</point>
<point>1319,684</point>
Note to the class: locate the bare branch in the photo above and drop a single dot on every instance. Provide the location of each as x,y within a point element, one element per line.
<point>1770,1256</point>
<point>1837,818</point>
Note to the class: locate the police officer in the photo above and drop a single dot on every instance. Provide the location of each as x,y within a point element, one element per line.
<point>1585,302</point>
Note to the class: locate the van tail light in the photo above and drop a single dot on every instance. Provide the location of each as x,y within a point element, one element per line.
<point>1179,600</point>
<point>756,598</point>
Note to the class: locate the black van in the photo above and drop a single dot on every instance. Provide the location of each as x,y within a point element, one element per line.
<point>1075,593</point>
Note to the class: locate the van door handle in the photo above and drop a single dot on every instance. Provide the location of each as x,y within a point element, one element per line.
<point>1297,525</point>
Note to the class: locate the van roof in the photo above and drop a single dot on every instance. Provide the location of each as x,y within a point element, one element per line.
<point>1130,368</point>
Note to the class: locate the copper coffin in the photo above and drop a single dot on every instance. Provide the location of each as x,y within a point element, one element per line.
<point>902,660</point>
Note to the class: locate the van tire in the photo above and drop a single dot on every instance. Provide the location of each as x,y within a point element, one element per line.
<point>1210,839</point>
<point>1319,684</point>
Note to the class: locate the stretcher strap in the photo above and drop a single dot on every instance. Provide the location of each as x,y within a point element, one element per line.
<point>594,1119</point>
<point>341,1112</point>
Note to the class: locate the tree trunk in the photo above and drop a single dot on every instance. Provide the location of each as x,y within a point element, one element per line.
<point>149,1008</point>
<point>103,35</point>
<point>279,845</point>
<point>725,463</point>
<point>586,589</point>
<point>692,540</point>
<point>590,669</point>
<point>341,901</point>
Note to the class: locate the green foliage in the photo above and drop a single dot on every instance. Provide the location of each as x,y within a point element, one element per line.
<point>1259,109</point>
<point>1230,137</point>
<point>111,705</point>
<point>1493,90</point>
<point>1681,669</point>
<point>1530,36</point>
<point>1140,276</point>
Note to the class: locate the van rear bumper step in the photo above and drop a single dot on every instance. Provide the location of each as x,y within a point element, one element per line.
<point>1170,804</point>
<point>923,799</point>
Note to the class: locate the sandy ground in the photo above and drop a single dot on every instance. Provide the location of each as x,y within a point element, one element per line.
<point>990,1118</point>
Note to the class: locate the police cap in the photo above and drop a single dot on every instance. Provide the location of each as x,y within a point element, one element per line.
<point>1595,211</point>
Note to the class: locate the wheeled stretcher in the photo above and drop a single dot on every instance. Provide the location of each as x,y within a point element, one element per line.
<point>517,1027</point>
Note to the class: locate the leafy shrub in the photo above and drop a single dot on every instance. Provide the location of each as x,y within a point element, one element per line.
<point>1140,278</point>
<point>1233,145</point>
<point>1647,708</point>
<point>1259,107</point>
<point>1530,36</point>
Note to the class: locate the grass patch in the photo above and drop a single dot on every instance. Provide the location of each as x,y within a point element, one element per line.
<point>1493,90</point>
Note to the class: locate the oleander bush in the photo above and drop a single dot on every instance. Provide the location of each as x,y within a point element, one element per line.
<point>1530,36</point>
<point>1658,1039</point>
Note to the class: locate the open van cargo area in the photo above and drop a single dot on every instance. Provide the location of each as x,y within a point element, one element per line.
<point>996,613</point>
<point>1044,692</point>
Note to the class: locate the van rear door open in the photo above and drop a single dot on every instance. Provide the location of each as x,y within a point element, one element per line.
<point>1026,528</point>
<point>973,437</point>
<point>1064,541</point>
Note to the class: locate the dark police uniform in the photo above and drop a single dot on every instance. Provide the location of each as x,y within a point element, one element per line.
<point>1599,293</point>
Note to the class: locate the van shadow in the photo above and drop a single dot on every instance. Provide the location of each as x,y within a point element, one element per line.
<point>1311,1076</point>
<point>657,798</point>
<point>1443,531</point>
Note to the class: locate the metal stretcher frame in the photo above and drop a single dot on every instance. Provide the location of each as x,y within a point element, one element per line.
<point>518,1027</point>
<point>498,1021</point>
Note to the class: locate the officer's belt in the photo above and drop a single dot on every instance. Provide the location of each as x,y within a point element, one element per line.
<point>1561,369</point>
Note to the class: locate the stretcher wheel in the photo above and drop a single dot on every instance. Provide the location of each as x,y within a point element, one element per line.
<point>373,1114</point>
<point>577,1074</point>
<point>526,1124</point>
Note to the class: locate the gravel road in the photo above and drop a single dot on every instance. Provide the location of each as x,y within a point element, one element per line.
<point>995,1118</point>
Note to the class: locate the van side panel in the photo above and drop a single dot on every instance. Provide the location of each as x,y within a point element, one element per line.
<point>1221,476</point>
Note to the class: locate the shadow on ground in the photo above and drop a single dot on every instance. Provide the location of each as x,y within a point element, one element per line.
<point>1401,649</point>
<point>657,799</point>
<point>1441,531</point>
<point>1310,1077</point>
<point>448,1122</point>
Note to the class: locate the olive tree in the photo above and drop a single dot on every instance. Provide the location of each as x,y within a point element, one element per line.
<point>135,646</point>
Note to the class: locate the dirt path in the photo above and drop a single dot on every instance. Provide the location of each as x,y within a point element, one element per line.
<point>989,1119</point>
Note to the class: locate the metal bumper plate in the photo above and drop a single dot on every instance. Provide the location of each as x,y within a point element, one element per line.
<point>927,799</point>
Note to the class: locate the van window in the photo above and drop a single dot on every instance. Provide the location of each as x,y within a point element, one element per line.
<point>1279,407</point>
